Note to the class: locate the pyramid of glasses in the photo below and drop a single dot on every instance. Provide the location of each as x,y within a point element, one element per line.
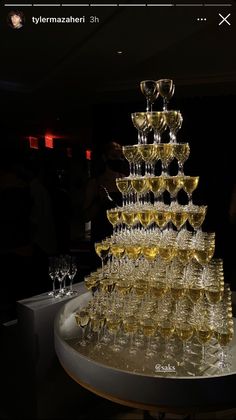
<point>160,292</point>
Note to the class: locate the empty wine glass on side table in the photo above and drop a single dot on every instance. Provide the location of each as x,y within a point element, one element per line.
<point>52,271</point>
<point>71,275</point>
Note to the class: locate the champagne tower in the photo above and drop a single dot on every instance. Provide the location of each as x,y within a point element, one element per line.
<point>160,294</point>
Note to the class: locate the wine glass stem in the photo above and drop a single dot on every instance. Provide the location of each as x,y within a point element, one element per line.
<point>71,282</point>
<point>203,353</point>
<point>190,201</point>
<point>181,168</point>
<point>53,287</point>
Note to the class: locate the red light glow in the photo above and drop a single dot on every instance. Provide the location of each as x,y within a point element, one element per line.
<point>88,154</point>
<point>33,142</point>
<point>49,142</point>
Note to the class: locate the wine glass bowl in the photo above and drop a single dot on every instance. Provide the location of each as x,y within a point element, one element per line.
<point>149,90</point>
<point>173,121</point>
<point>140,122</point>
<point>196,216</point>
<point>166,89</point>
<point>132,155</point>
<point>157,122</point>
<point>181,152</point>
<point>190,184</point>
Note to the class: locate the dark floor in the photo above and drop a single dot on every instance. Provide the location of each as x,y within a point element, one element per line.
<point>58,396</point>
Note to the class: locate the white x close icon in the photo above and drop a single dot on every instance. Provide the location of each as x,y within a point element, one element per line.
<point>224,19</point>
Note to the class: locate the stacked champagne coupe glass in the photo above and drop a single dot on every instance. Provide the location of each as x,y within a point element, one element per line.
<point>160,298</point>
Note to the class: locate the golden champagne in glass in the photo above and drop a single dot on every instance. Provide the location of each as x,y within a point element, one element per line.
<point>129,217</point>
<point>123,185</point>
<point>178,217</point>
<point>174,121</point>
<point>133,251</point>
<point>196,216</point>
<point>140,185</point>
<point>184,254</point>
<point>102,250</point>
<point>140,287</point>
<point>157,186</point>
<point>150,252</point>
<point>145,217</point>
<point>117,250</point>
<point>158,288</point>
<point>123,287</point>
<point>166,155</point>
<point>148,153</point>
<point>213,294</point>
<point>195,293</point>
<point>131,153</point>
<point>181,152</point>
<point>162,217</point>
<point>157,122</point>
<point>190,184</point>
<point>140,122</point>
<point>173,184</point>
<point>114,216</point>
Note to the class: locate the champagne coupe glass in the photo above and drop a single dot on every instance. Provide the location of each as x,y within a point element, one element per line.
<point>204,248</point>
<point>157,186</point>
<point>149,90</point>
<point>162,217</point>
<point>179,215</point>
<point>174,121</point>
<point>204,333</point>
<point>173,185</point>
<point>195,284</point>
<point>166,156</point>
<point>131,153</point>
<point>140,186</point>
<point>97,323</point>
<point>190,184</point>
<point>177,289</point>
<point>130,325</point>
<point>113,322</point>
<point>114,217</point>
<point>149,327</point>
<point>71,274</point>
<point>102,250</point>
<point>129,217</point>
<point>181,152</point>
<point>117,250</point>
<point>124,186</point>
<point>166,89</point>
<point>166,328</point>
<point>148,153</point>
<point>91,283</point>
<point>140,122</point>
<point>184,331</point>
<point>82,319</point>
<point>157,122</point>
<point>196,216</point>
<point>224,335</point>
<point>52,271</point>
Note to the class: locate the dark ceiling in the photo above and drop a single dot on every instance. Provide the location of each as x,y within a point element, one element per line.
<point>61,67</point>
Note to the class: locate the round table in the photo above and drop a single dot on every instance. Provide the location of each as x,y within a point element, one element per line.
<point>140,390</point>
